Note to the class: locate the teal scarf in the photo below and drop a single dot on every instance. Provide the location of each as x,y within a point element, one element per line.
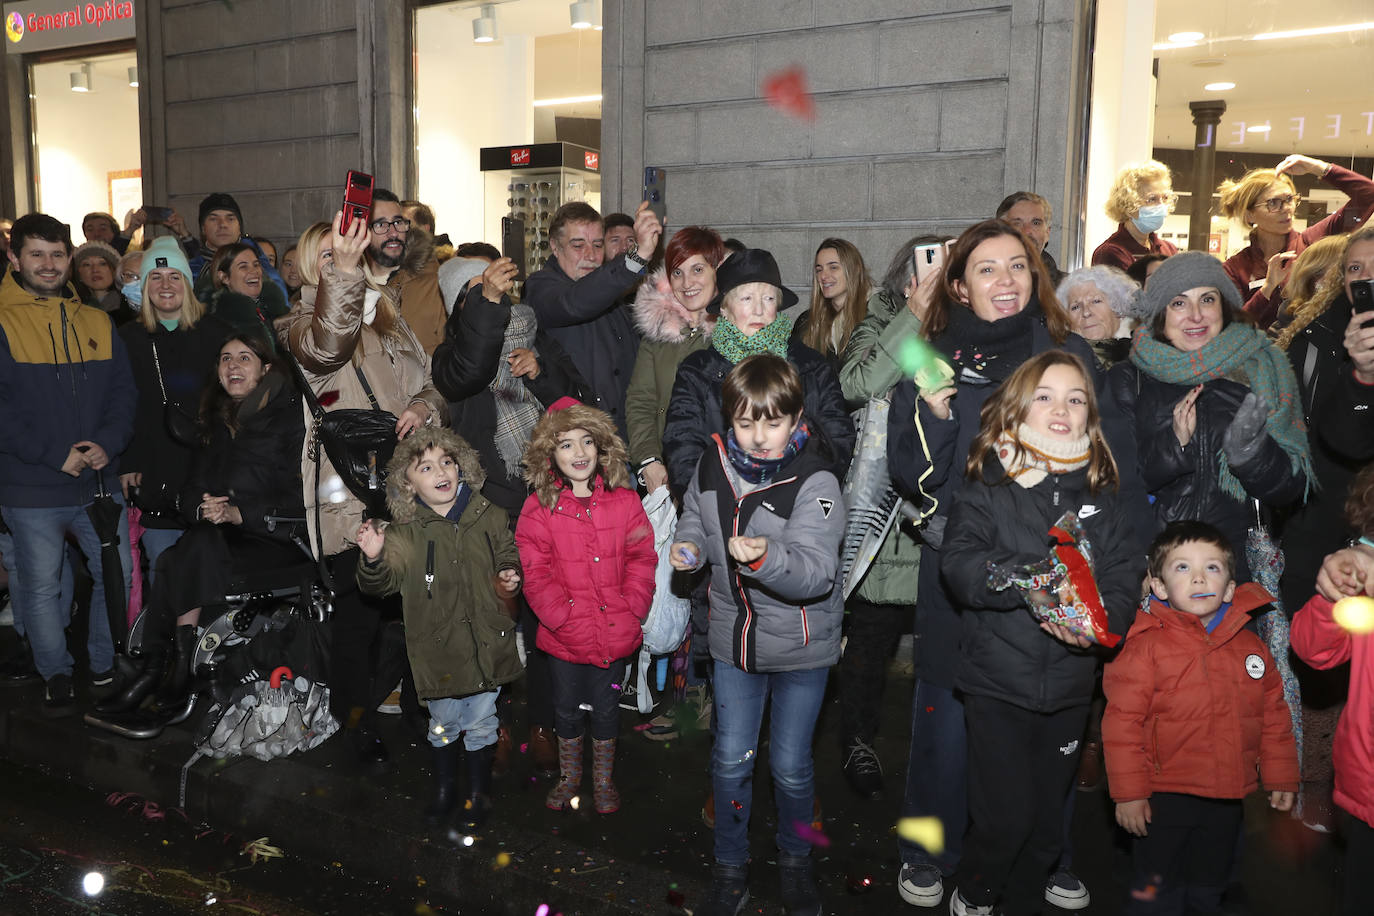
<point>1244,354</point>
<point>732,343</point>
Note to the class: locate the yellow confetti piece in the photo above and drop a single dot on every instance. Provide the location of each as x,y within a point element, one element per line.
<point>1355,614</point>
<point>259,849</point>
<point>928,832</point>
<point>419,881</point>
<point>502,860</point>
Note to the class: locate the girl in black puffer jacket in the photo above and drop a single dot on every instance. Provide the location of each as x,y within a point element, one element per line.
<point>1027,683</point>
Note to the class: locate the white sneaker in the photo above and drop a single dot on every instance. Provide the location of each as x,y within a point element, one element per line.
<point>958,906</point>
<point>920,885</point>
<point>1066,891</point>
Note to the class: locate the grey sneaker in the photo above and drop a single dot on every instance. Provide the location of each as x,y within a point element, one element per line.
<point>1066,891</point>
<point>920,885</point>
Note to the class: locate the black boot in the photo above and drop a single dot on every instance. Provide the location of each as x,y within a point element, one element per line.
<point>171,693</point>
<point>139,687</point>
<point>798,878</point>
<point>478,804</point>
<point>18,669</point>
<point>445,782</point>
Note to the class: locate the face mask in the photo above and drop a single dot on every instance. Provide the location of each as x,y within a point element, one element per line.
<point>133,291</point>
<point>1149,219</point>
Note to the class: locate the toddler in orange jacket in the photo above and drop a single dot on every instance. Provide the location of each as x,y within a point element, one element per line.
<point>1195,718</point>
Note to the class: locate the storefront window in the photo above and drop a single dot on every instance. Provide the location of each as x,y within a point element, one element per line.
<point>538,81</point>
<point>85,137</point>
<point>1292,82</point>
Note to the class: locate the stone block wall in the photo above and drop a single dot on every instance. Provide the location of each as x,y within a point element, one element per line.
<point>272,102</point>
<point>927,113</point>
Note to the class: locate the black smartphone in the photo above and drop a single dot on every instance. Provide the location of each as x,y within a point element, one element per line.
<point>655,191</point>
<point>156,214</point>
<point>513,243</point>
<point>1362,295</point>
<point>357,200</point>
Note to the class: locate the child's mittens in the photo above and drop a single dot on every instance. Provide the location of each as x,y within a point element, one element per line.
<point>1245,436</point>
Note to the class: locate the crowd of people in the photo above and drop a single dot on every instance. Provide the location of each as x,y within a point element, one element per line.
<point>1079,462</point>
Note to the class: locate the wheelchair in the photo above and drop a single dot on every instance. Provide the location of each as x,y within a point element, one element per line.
<point>257,601</point>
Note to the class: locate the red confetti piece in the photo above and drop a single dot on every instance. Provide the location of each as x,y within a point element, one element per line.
<point>786,91</point>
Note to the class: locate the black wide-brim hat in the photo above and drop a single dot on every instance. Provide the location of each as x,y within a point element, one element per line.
<point>752,265</point>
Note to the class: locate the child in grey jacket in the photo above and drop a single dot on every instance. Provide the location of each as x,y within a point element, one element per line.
<point>766,513</point>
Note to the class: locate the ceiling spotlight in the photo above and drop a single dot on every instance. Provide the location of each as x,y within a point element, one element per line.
<point>1219,87</point>
<point>583,14</point>
<point>133,77</point>
<point>484,26</point>
<point>81,79</point>
<point>1182,37</point>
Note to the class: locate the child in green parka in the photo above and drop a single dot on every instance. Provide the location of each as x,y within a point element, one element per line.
<point>450,554</point>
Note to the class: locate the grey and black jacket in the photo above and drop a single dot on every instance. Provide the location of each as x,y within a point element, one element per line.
<point>782,612</point>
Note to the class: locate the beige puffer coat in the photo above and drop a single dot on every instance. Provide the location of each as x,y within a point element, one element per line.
<point>322,331</point>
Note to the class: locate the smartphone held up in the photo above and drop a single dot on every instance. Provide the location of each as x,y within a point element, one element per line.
<point>357,200</point>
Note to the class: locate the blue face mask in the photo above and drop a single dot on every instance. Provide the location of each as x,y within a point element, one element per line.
<point>1149,219</point>
<point>133,291</point>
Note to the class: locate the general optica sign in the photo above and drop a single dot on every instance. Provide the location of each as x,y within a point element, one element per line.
<point>45,25</point>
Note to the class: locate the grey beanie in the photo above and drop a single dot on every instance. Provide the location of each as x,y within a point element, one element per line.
<point>97,250</point>
<point>1182,272</point>
<point>454,275</point>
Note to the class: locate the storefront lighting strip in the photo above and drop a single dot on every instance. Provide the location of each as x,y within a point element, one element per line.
<point>1268,36</point>
<point>570,100</point>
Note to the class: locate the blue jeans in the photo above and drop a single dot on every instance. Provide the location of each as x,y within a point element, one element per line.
<point>155,541</point>
<point>474,715</point>
<point>39,541</point>
<point>12,568</point>
<point>937,773</point>
<point>739,702</point>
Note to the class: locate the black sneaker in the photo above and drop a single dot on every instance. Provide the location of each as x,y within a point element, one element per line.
<point>17,669</point>
<point>798,878</point>
<point>863,770</point>
<point>58,698</point>
<point>102,678</point>
<point>729,893</point>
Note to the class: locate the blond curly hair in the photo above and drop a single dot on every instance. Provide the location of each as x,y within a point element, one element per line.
<point>1316,280</point>
<point>542,474</point>
<point>400,495</point>
<point>1125,201</point>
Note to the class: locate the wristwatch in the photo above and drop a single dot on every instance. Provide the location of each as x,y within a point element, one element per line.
<point>632,257</point>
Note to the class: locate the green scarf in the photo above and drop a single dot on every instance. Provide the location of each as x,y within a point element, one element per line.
<point>1244,354</point>
<point>731,343</point>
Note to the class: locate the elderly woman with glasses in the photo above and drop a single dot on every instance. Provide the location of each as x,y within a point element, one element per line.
<point>1141,197</point>
<point>1266,200</point>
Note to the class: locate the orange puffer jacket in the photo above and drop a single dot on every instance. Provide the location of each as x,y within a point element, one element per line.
<point>1197,713</point>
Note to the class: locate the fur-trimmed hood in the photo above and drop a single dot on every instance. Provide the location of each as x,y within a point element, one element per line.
<point>658,314</point>
<point>419,250</point>
<point>400,495</point>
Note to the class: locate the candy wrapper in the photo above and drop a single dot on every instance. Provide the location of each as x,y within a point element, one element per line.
<point>1061,588</point>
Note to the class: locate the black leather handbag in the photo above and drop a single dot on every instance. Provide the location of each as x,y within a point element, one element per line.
<point>359,444</point>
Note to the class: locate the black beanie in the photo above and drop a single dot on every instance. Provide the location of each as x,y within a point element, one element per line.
<point>219,201</point>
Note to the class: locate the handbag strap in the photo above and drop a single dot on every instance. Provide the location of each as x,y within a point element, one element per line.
<point>366,387</point>
<point>157,365</point>
<point>316,411</point>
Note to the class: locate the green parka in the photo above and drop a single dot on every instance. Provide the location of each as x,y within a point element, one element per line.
<point>869,369</point>
<point>458,635</point>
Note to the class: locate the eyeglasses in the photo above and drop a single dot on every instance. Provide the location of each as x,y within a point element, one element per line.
<point>1154,200</point>
<point>380,226</point>
<point>128,276</point>
<point>1278,204</point>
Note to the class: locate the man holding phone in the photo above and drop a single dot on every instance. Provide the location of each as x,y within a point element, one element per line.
<point>576,296</point>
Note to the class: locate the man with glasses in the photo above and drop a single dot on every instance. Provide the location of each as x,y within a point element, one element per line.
<point>406,252</point>
<point>577,293</point>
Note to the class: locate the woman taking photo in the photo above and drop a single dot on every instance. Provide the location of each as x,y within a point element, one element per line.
<point>839,300</point>
<point>1141,198</point>
<point>1266,201</point>
<point>348,337</point>
<point>172,348</point>
<point>244,468</point>
<point>670,312</point>
<point>243,295</point>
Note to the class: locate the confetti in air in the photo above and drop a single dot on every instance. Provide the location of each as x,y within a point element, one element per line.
<point>928,832</point>
<point>1355,614</point>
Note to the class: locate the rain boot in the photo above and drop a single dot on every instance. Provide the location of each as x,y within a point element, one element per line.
<point>604,793</point>
<point>570,774</point>
<point>171,693</point>
<point>478,804</point>
<point>140,686</point>
<point>445,782</point>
